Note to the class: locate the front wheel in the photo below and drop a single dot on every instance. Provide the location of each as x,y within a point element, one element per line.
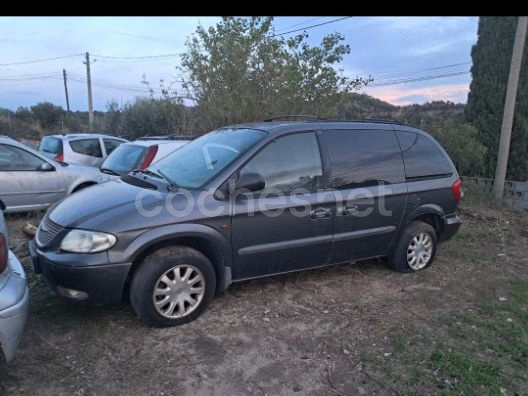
<point>174,285</point>
<point>416,248</point>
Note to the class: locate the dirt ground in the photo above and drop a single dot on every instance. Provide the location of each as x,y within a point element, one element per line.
<point>343,330</point>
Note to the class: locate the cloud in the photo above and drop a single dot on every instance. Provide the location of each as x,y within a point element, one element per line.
<point>403,95</point>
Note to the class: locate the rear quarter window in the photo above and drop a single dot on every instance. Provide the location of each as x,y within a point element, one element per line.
<point>423,156</point>
<point>89,147</point>
<point>361,158</point>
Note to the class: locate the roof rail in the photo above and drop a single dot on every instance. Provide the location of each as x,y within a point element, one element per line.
<point>373,120</point>
<point>294,116</point>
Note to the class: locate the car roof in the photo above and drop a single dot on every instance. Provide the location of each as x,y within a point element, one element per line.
<point>84,135</point>
<point>279,127</point>
<point>148,143</point>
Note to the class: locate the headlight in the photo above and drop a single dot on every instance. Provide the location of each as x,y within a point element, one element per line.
<point>83,241</point>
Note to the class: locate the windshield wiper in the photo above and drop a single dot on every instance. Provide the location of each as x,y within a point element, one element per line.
<point>109,171</point>
<point>148,172</point>
<point>159,174</point>
<point>171,182</point>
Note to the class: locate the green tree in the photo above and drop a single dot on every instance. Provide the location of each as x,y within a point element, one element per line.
<point>240,71</point>
<point>48,115</point>
<point>491,63</point>
<point>151,116</point>
<point>462,144</point>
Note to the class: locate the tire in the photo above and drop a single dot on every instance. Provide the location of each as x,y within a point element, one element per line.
<point>170,261</point>
<point>399,260</point>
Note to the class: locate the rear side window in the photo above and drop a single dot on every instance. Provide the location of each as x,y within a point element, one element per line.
<point>89,147</point>
<point>51,145</point>
<point>423,157</point>
<point>111,145</point>
<point>360,158</point>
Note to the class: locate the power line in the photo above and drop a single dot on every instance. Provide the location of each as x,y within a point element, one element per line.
<point>399,74</point>
<point>300,23</point>
<point>312,26</point>
<point>40,60</point>
<point>408,80</point>
<point>137,57</point>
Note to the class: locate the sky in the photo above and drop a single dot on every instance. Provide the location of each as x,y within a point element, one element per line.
<point>402,54</point>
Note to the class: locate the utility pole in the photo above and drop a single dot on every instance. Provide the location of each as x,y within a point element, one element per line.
<point>509,107</point>
<point>90,102</point>
<point>66,90</point>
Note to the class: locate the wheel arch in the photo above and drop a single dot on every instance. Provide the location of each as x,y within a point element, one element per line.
<point>431,214</point>
<point>212,247</point>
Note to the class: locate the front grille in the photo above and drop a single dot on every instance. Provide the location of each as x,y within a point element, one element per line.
<point>46,232</point>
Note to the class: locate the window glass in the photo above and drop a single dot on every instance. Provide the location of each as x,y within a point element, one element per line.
<point>362,158</point>
<point>201,160</point>
<point>111,145</point>
<point>89,147</point>
<point>124,159</point>
<point>51,145</point>
<point>422,156</point>
<point>289,163</point>
<point>16,159</point>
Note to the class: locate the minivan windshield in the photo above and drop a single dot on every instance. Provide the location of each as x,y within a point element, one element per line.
<point>199,161</point>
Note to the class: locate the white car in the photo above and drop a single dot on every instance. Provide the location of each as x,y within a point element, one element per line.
<point>88,149</point>
<point>138,155</point>
<point>30,181</point>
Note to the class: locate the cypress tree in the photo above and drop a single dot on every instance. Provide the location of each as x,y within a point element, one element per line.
<point>491,65</point>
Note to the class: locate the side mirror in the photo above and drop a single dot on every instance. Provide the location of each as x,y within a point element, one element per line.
<point>2,205</point>
<point>45,167</point>
<point>250,182</point>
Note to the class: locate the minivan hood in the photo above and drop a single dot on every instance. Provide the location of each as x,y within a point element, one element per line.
<point>111,207</point>
<point>86,206</point>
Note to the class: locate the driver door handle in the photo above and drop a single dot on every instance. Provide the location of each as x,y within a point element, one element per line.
<point>321,213</point>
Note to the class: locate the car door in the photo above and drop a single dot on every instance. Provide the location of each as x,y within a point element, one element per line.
<point>283,227</point>
<point>23,186</point>
<point>86,151</point>
<point>366,174</point>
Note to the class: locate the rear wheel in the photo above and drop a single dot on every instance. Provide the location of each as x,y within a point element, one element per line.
<point>416,248</point>
<point>174,285</point>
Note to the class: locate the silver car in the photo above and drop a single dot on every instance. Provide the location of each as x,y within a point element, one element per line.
<point>29,180</point>
<point>88,149</point>
<point>14,295</point>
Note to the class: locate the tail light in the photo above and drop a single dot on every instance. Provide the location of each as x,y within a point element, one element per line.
<point>59,158</point>
<point>3,253</point>
<point>149,157</point>
<point>457,190</point>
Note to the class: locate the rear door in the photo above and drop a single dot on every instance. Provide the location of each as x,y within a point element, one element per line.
<point>366,174</point>
<point>86,152</point>
<point>22,186</point>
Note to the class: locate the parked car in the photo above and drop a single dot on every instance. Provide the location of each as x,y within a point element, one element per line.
<point>14,295</point>
<point>138,155</point>
<point>31,181</point>
<point>88,149</point>
<point>249,201</point>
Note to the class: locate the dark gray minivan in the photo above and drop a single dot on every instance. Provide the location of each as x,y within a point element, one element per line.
<point>248,201</point>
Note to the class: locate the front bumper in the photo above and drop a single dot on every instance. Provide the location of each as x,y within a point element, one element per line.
<point>14,303</point>
<point>451,225</point>
<point>98,281</point>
